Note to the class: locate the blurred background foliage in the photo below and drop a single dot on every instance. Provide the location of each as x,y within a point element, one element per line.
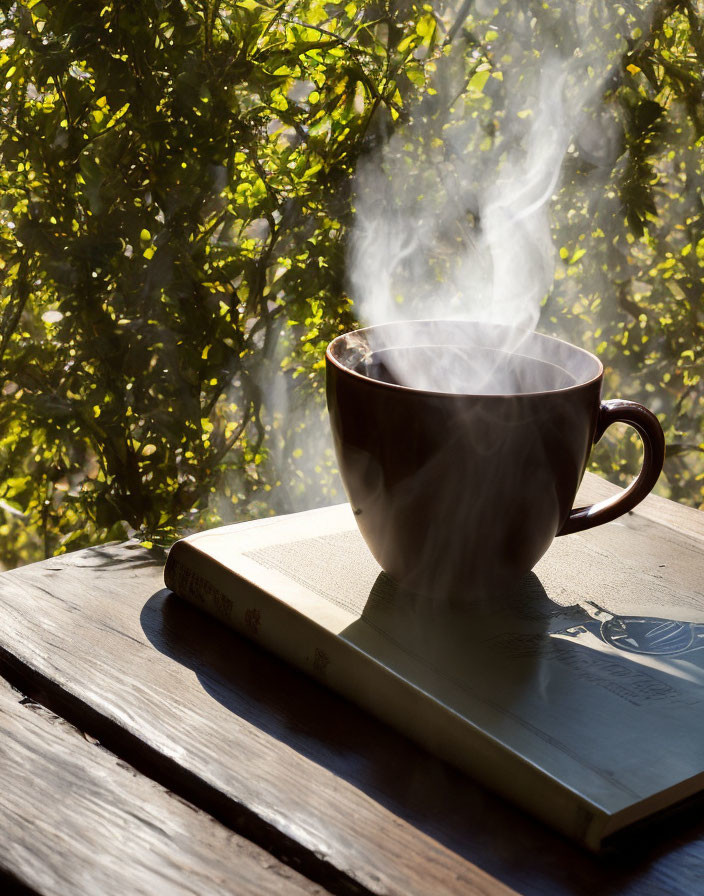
<point>175,198</point>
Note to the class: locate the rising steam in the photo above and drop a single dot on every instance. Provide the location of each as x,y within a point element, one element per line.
<point>453,213</point>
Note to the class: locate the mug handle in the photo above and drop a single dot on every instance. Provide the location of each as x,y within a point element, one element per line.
<point>648,428</point>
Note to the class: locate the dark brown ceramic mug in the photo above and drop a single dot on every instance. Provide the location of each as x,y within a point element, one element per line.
<point>462,445</point>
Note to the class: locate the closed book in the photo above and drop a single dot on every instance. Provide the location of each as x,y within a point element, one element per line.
<point>577,695</point>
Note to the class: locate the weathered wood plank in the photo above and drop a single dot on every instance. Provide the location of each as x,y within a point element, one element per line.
<point>76,820</point>
<point>659,510</point>
<point>279,758</point>
<point>252,741</point>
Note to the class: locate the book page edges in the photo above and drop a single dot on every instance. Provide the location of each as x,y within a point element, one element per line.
<point>661,803</point>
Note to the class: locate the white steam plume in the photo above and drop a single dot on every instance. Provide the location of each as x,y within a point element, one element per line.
<point>452,214</point>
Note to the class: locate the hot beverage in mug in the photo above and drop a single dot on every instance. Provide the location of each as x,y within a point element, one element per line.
<point>462,445</point>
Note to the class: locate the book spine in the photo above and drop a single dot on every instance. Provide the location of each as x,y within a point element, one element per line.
<point>189,574</point>
<point>339,665</point>
<point>251,612</point>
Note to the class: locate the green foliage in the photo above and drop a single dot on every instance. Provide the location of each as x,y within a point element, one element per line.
<point>632,279</point>
<point>175,196</point>
<point>174,181</point>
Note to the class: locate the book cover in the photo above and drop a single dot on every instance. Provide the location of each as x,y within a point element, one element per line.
<point>577,695</point>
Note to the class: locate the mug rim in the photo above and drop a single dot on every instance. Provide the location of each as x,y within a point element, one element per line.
<point>330,358</point>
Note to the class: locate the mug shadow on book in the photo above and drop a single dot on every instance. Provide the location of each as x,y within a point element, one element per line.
<point>643,659</point>
<point>288,705</point>
<point>284,704</point>
<point>458,643</point>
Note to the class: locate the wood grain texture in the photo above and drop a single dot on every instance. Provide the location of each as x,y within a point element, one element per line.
<point>654,508</point>
<point>275,756</point>
<point>93,636</point>
<point>76,820</point>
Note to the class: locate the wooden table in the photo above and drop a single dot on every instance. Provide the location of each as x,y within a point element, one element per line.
<point>146,750</point>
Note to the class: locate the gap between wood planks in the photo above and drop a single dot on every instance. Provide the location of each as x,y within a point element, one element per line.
<point>78,820</point>
<point>107,734</point>
<point>10,885</point>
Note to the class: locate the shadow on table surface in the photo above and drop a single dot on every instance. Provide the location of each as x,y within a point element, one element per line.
<point>434,797</point>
